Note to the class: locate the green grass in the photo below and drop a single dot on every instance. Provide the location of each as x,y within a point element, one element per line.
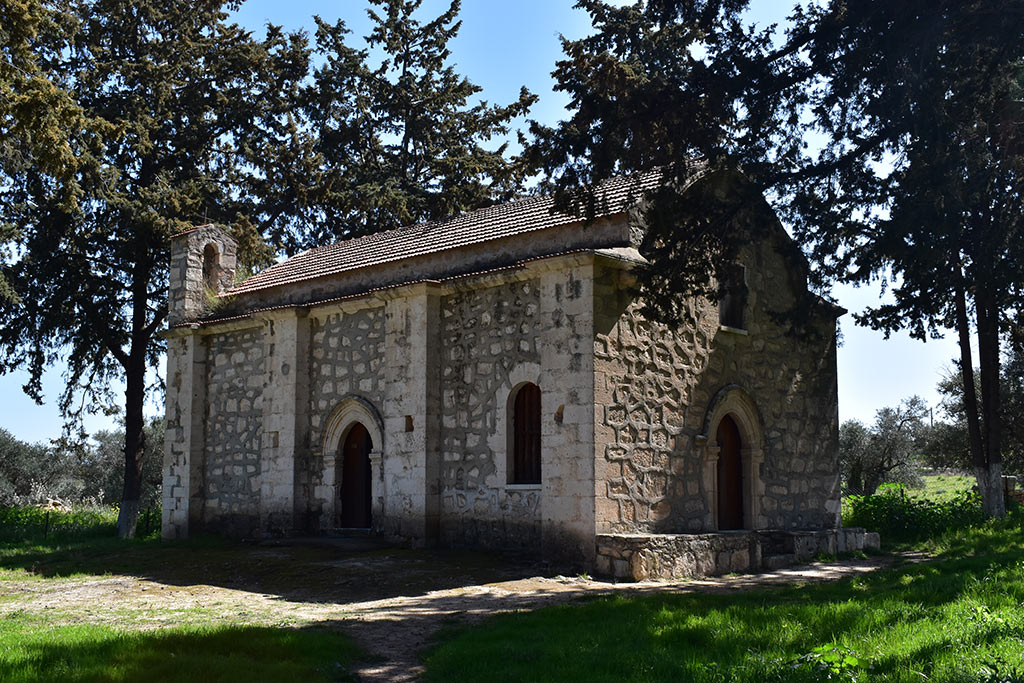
<point>20,524</point>
<point>32,649</point>
<point>37,544</point>
<point>59,645</point>
<point>943,487</point>
<point>905,522</point>
<point>956,618</point>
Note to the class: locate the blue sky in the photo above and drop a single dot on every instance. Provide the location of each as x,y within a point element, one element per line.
<point>503,45</point>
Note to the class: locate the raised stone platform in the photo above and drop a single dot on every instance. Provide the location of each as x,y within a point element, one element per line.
<point>637,557</point>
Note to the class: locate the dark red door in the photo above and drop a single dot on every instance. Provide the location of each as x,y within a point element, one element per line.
<point>355,479</point>
<point>730,476</point>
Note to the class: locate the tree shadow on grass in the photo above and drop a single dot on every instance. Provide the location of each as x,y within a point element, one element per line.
<point>300,572</point>
<point>661,632</point>
<point>897,619</point>
<point>79,654</point>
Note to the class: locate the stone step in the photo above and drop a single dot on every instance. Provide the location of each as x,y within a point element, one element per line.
<point>773,562</point>
<point>351,533</point>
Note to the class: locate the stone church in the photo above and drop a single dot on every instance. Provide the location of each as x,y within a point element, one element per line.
<point>488,381</point>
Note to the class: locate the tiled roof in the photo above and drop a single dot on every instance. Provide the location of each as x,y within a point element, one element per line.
<point>475,227</point>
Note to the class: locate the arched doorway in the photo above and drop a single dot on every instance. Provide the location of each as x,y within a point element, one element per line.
<point>730,475</point>
<point>354,491</point>
<point>732,450</point>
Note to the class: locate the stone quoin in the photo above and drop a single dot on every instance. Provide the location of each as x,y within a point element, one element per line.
<point>489,381</point>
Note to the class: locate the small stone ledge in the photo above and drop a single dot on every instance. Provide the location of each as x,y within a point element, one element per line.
<point>638,557</point>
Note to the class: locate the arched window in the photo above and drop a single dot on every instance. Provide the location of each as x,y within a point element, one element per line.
<point>733,297</point>
<point>211,267</point>
<point>526,435</point>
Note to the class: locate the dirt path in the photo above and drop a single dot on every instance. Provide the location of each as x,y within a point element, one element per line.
<point>411,595</point>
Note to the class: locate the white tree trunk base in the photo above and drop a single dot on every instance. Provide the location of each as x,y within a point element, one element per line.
<point>990,486</point>
<point>127,518</point>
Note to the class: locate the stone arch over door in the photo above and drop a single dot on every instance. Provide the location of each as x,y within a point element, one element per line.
<point>500,439</point>
<point>353,411</point>
<point>734,403</point>
<point>354,492</point>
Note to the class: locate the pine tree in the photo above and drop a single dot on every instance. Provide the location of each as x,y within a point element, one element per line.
<point>169,116</point>
<point>183,102</point>
<point>37,116</point>
<point>914,175</point>
<point>36,112</point>
<point>663,84</point>
<point>408,143</point>
<point>939,102</point>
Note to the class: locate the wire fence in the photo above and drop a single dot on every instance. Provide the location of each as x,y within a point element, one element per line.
<point>40,524</point>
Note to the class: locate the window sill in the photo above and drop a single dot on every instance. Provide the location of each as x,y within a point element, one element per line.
<point>522,487</point>
<point>733,330</point>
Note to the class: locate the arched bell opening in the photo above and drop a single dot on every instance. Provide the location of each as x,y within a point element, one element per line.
<point>211,268</point>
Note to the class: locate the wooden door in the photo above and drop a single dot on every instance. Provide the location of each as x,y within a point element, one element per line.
<point>354,494</point>
<point>730,476</point>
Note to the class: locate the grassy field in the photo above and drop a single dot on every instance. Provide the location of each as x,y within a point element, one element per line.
<point>957,618</point>
<point>35,649</point>
<point>47,555</point>
<point>212,610</point>
<point>943,487</point>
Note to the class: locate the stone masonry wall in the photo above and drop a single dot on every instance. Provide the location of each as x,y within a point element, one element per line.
<point>653,389</point>
<point>233,431</point>
<point>486,334</point>
<point>188,292</point>
<point>347,359</point>
<point>186,387</point>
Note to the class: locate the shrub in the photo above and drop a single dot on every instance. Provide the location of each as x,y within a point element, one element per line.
<point>34,473</point>
<point>76,470</point>
<point>886,451</point>
<point>30,523</point>
<point>901,518</point>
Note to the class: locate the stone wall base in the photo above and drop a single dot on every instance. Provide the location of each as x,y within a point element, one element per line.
<point>637,557</point>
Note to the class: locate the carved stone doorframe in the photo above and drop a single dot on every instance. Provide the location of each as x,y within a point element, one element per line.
<point>733,401</point>
<point>350,411</point>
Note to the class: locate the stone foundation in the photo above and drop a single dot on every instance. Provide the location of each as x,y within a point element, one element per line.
<point>638,557</point>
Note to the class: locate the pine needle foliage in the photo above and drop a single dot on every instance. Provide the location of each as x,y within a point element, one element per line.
<point>171,92</point>
<point>125,122</point>
<point>887,134</point>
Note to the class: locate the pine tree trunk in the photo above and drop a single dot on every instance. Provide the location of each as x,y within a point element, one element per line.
<point>990,484</point>
<point>987,473</point>
<point>988,356</point>
<point>134,448</point>
<point>135,398</point>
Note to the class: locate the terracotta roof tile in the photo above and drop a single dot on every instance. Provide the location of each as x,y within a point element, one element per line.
<point>474,227</point>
